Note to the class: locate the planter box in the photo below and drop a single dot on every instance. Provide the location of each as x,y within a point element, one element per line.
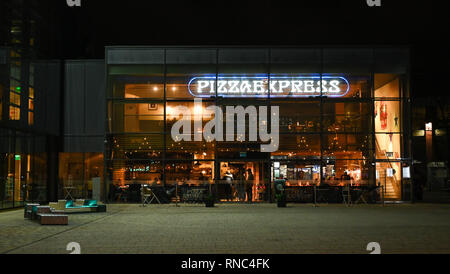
<point>281,203</point>
<point>209,204</point>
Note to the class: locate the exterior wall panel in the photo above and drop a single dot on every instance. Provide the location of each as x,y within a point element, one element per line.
<point>191,56</point>
<point>3,56</point>
<point>84,106</point>
<point>135,56</point>
<point>243,56</point>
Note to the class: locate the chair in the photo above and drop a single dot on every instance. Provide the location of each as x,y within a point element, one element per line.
<point>148,196</point>
<point>361,194</point>
<point>346,195</point>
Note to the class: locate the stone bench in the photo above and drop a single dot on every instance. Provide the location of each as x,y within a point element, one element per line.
<point>53,219</point>
<point>40,210</point>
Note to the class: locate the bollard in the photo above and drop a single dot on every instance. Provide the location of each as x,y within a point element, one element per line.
<point>176,194</point>
<point>315,195</point>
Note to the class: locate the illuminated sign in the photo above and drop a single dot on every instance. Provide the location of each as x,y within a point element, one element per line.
<point>141,169</point>
<point>332,86</point>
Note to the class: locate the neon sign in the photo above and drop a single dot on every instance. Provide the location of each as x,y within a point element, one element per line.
<point>332,86</point>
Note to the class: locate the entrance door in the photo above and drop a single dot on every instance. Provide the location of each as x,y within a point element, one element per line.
<point>242,181</point>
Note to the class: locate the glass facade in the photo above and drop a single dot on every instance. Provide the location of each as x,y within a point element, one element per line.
<point>23,168</point>
<point>341,122</point>
<point>24,142</point>
<point>330,118</point>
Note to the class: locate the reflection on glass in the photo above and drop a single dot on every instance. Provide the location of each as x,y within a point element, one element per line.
<point>137,146</point>
<point>299,116</point>
<point>387,85</point>
<point>138,118</point>
<point>347,146</point>
<point>80,176</point>
<point>347,117</point>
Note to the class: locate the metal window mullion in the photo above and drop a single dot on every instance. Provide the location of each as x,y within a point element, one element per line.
<point>321,116</point>
<point>165,120</point>
<point>216,100</point>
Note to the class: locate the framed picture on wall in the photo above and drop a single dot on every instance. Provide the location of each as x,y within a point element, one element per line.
<point>152,106</point>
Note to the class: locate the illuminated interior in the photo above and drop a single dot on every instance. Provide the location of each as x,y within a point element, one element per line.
<point>331,141</point>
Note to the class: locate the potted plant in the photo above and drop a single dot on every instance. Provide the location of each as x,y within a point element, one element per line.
<point>280,195</point>
<point>209,200</point>
<point>281,200</point>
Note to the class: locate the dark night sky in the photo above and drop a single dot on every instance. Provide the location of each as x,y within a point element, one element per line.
<point>421,24</point>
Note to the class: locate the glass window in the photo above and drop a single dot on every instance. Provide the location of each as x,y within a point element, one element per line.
<point>137,82</point>
<point>194,112</point>
<point>298,116</point>
<point>347,117</point>
<point>388,146</point>
<point>243,81</point>
<point>189,150</point>
<point>14,113</point>
<point>190,81</point>
<point>14,98</point>
<point>37,182</point>
<point>30,118</point>
<point>127,176</point>
<point>81,175</point>
<point>71,175</point>
<point>334,171</point>
<point>348,86</point>
<point>387,85</point>
<point>16,72</point>
<point>299,146</point>
<point>93,176</point>
<point>347,146</point>
<point>388,116</point>
<point>138,117</point>
<point>306,85</point>
<point>297,173</point>
<point>389,176</point>
<point>191,173</point>
<point>137,147</point>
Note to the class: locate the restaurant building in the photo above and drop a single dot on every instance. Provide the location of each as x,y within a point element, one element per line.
<point>343,118</point>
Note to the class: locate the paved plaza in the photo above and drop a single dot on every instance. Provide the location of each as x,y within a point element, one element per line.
<point>235,229</point>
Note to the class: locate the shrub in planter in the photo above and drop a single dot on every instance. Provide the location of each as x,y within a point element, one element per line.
<point>281,200</point>
<point>209,201</point>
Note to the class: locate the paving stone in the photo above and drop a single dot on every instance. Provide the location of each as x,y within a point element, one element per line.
<point>236,229</point>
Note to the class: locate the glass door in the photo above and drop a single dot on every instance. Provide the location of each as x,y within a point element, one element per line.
<point>243,182</point>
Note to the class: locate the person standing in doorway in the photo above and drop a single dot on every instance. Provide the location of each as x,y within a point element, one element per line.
<point>249,185</point>
<point>228,185</point>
